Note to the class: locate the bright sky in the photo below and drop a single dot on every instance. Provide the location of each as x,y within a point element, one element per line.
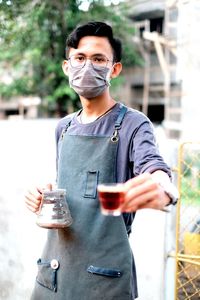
<point>85,4</point>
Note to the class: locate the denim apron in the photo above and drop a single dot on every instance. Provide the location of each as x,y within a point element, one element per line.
<point>92,258</point>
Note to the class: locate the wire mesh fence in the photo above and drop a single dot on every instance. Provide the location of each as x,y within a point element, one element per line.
<point>188,224</point>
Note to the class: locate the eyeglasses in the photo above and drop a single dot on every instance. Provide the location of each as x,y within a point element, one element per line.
<point>79,60</point>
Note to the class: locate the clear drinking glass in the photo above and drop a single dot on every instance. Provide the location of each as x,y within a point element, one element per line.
<point>111,197</point>
<point>54,211</point>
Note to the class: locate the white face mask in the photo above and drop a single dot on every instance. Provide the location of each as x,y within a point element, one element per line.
<point>88,81</point>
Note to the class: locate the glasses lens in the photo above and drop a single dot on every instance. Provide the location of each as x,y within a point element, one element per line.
<point>99,60</point>
<point>77,61</point>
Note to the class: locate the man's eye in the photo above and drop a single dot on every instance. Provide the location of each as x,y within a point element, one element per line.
<point>79,58</point>
<point>99,59</point>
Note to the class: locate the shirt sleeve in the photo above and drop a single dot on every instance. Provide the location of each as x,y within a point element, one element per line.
<point>144,153</point>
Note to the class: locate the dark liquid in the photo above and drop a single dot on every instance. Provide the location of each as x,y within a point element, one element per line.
<point>111,200</point>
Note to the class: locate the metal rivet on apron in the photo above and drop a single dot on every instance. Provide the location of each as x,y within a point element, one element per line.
<point>54,264</point>
<point>115,136</point>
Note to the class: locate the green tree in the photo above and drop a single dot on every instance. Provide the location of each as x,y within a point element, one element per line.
<point>32,41</point>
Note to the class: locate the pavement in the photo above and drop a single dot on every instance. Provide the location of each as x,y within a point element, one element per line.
<point>27,158</point>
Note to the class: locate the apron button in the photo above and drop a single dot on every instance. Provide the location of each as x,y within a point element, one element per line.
<point>54,264</point>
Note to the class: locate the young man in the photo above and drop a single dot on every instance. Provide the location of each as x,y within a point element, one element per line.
<point>104,142</point>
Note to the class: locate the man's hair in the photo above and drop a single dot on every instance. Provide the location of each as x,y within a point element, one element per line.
<point>99,29</point>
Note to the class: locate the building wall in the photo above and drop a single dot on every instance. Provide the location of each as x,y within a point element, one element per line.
<point>184,69</point>
<point>189,68</point>
<point>138,8</point>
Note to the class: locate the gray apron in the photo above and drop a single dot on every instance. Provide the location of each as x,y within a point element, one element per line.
<point>92,258</point>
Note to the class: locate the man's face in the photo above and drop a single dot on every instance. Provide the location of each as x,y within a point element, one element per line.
<point>90,67</point>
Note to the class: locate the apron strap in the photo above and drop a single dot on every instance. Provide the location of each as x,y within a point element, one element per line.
<point>118,123</point>
<point>120,117</point>
<point>67,125</point>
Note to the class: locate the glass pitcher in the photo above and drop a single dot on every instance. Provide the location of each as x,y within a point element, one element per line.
<point>54,212</point>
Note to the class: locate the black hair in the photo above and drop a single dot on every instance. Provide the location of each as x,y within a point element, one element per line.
<point>95,29</point>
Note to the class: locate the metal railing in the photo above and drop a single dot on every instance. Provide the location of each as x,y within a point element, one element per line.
<point>187,254</point>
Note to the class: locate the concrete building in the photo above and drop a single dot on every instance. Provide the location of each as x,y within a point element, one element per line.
<point>19,107</point>
<point>166,87</point>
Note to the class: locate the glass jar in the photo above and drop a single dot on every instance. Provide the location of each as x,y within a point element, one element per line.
<point>54,211</point>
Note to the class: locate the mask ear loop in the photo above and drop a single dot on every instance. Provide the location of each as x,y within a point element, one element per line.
<point>109,79</point>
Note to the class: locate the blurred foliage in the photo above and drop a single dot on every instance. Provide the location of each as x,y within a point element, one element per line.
<point>32,41</point>
<point>190,191</point>
<point>190,180</point>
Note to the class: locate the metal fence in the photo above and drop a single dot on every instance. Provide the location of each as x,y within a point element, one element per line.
<point>187,255</point>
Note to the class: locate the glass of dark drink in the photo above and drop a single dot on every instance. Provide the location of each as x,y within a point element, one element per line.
<point>111,197</point>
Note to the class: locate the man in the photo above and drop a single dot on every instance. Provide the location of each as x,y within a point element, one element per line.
<point>103,142</point>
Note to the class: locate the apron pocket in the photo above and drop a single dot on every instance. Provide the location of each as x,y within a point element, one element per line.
<point>91,184</point>
<point>47,273</point>
<point>104,272</point>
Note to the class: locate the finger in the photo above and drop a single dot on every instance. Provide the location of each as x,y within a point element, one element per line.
<point>31,208</point>
<point>49,186</point>
<point>145,199</point>
<point>33,198</point>
<point>36,193</point>
<point>133,182</point>
<point>141,189</point>
<point>147,205</point>
<point>155,204</point>
<point>33,202</point>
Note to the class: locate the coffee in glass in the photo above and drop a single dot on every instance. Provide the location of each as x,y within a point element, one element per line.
<point>111,197</point>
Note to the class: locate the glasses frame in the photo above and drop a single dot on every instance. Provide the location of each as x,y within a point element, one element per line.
<point>88,58</point>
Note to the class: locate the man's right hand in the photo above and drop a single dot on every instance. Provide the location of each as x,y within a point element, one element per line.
<point>33,198</point>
